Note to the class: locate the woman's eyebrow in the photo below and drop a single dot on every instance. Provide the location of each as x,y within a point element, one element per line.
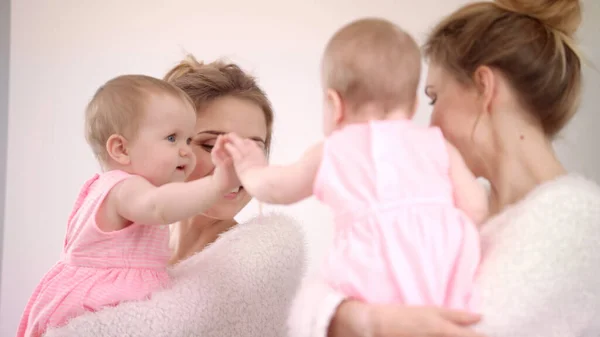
<point>218,133</point>
<point>211,132</point>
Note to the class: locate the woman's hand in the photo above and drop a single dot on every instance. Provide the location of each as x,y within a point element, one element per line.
<point>356,319</point>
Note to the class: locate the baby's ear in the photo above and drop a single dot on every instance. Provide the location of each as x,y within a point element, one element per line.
<point>116,147</point>
<point>336,106</point>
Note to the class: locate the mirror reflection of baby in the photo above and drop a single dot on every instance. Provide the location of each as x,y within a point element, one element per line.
<point>116,246</point>
<point>405,204</point>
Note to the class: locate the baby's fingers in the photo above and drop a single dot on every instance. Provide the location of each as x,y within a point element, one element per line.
<point>457,323</point>
<point>218,152</point>
<point>451,330</point>
<point>250,147</point>
<point>222,156</point>
<point>459,317</point>
<point>233,151</point>
<point>235,140</point>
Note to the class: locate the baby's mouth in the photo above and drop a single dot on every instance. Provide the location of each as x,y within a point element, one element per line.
<point>181,168</point>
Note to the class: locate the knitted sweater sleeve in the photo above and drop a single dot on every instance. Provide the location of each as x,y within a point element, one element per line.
<point>241,285</point>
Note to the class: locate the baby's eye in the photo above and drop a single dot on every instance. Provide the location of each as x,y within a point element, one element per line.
<point>189,141</point>
<point>171,138</point>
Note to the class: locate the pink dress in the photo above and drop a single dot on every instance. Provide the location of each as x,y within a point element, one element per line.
<point>97,268</point>
<point>398,237</point>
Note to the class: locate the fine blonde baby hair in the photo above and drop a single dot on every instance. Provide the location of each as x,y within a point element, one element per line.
<point>373,61</point>
<point>118,106</point>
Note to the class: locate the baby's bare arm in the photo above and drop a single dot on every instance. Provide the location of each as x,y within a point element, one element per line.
<point>275,184</point>
<point>137,200</point>
<point>291,183</point>
<point>469,195</point>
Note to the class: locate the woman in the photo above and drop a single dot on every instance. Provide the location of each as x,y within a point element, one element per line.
<point>504,79</point>
<point>229,279</point>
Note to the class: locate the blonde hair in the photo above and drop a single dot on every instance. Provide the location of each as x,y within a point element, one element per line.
<point>204,83</point>
<point>118,106</point>
<point>373,61</point>
<point>529,41</point>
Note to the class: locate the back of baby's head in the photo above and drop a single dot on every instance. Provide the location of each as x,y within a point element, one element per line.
<point>119,106</point>
<point>373,61</point>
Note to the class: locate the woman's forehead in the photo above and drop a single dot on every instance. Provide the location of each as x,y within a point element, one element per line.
<point>232,115</point>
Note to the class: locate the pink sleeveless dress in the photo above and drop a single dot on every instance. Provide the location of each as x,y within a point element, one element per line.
<point>97,268</point>
<point>398,237</point>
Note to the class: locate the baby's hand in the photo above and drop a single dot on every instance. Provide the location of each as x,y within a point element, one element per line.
<point>224,173</point>
<point>247,156</point>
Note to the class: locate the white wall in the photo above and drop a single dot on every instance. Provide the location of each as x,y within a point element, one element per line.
<point>63,50</point>
<point>4,54</point>
<point>579,146</point>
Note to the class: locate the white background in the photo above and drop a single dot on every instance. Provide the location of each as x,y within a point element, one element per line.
<point>62,50</point>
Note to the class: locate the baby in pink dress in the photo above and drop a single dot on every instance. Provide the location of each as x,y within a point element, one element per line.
<point>116,245</point>
<point>405,204</point>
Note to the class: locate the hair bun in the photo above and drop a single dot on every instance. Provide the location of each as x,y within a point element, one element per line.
<point>562,15</point>
<point>188,65</point>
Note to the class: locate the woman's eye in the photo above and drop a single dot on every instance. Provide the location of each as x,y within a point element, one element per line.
<point>204,144</point>
<point>171,138</point>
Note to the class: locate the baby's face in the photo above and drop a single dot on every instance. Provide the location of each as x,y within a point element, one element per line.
<point>161,150</point>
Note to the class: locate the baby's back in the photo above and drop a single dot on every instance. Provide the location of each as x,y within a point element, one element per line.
<point>397,237</point>
<point>383,162</point>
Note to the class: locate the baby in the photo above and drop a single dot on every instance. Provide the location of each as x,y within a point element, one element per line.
<point>116,245</point>
<point>405,204</point>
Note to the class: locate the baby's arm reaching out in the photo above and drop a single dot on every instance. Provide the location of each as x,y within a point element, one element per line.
<point>137,200</point>
<point>469,195</point>
<point>273,184</point>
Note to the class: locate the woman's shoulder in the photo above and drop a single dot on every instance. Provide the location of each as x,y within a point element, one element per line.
<point>273,241</point>
<point>562,212</point>
<point>548,242</point>
<point>571,196</point>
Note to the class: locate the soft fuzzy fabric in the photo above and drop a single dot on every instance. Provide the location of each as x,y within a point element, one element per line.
<point>539,276</point>
<point>242,285</point>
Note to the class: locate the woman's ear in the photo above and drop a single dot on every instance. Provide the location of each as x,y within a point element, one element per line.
<point>485,81</point>
<point>337,107</point>
<point>116,146</point>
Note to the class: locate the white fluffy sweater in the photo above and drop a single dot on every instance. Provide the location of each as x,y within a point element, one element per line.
<point>540,275</point>
<point>241,285</point>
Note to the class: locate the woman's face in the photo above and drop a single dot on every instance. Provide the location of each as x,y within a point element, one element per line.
<point>224,115</point>
<point>456,109</point>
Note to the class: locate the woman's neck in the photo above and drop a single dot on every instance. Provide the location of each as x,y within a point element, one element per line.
<point>523,162</point>
<point>197,233</point>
